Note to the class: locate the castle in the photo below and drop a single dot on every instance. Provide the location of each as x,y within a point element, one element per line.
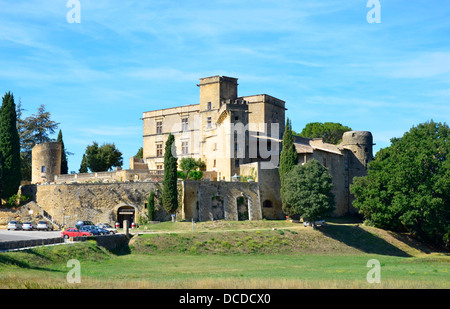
<point>238,137</point>
<point>223,130</point>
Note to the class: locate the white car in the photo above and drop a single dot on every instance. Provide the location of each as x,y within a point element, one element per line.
<point>107,227</point>
<point>14,225</point>
<point>29,226</point>
<point>44,225</point>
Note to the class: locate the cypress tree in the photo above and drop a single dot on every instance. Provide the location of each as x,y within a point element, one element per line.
<point>64,166</point>
<point>151,206</point>
<point>84,165</point>
<point>9,148</point>
<point>170,192</point>
<point>288,158</point>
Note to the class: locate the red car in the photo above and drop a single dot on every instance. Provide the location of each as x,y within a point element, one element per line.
<point>73,232</point>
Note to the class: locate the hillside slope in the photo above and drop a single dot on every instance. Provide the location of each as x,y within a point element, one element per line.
<point>260,238</point>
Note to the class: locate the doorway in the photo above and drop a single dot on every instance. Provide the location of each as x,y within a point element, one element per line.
<point>242,205</point>
<point>125,213</point>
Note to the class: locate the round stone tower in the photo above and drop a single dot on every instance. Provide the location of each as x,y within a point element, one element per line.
<point>45,162</point>
<point>361,145</point>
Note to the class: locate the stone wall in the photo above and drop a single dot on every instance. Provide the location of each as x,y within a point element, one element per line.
<point>220,200</point>
<point>269,187</point>
<point>97,202</point>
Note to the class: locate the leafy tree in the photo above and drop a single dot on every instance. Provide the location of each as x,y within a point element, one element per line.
<point>189,166</point>
<point>103,158</point>
<point>195,175</point>
<point>408,184</point>
<point>307,191</point>
<point>39,126</point>
<point>9,148</point>
<point>151,206</point>
<point>32,130</point>
<point>330,132</point>
<point>170,191</point>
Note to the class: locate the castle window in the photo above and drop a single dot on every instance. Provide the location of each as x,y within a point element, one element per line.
<point>214,163</point>
<point>185,148</point>
<point>184,124</point>
<point>43,169</point>
<point>159,167</point>
<point>159,127</point>
<point>209,106</point>
<point>208,123</point>
<point>159,150</point>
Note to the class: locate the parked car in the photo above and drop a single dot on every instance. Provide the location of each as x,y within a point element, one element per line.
<point>44,225</point>
<point>102,230</point>
<point>73,232</point>
<point>29,226</point>
<point>14,225</point>
<point>317,223</point>
<point>91,229</point>
<point>82,223</point>
<point>109,228</point>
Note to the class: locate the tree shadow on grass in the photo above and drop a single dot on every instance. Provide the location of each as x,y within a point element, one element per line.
<point>8,260</point>
<point>362,240</point>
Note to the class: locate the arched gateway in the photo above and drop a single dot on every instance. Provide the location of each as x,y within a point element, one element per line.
<point>125,212</point>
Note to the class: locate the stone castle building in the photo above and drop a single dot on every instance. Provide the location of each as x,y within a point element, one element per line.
<point>224,130</point>
<point>236,137</point>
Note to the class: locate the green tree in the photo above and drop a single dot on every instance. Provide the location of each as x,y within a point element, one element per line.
<point>307,192</point>
<point>330,132</point>
<point>170,190</point>
<point>39,126</point>
<point>189,167</point>
<point>32,130</point>
<point>84,165</point>
<point>103,158</point>
<point>151,206</point>
<point>64,166</point>
<point>9,148</point>
<point>407,187</point>
<point>288,157</point>
<point>140,153</point>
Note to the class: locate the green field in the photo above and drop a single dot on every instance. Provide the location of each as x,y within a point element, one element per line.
<point>228,255</point>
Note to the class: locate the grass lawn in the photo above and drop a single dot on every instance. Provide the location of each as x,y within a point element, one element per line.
<point>235,256</point>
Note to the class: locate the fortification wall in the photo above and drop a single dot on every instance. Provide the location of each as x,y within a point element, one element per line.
<point>220,200</point>
<point>97,202</point>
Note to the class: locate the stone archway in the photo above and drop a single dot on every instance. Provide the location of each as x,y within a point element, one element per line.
<point>125,212</point>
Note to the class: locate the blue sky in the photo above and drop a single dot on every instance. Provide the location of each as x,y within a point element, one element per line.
<point>323,58</point>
